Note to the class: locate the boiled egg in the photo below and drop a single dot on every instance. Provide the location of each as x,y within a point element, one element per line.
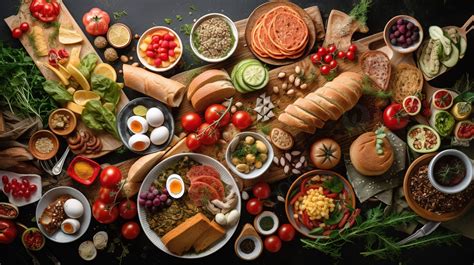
<point>159,135</point>
<point>73,208</point>
<point>154,117</point>
<point>70,226</point>
<point>137,124</point>
<point>139,142</point>
<point>175,186</point>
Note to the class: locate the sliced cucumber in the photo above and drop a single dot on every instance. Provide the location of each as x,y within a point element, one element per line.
<point>453,58</point>
<point>239,76</point>
<point>462,47</point>
<point>436,33</point>
<point>241,63</point>
<point>253,75</point>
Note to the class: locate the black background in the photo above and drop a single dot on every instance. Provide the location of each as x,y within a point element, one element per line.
<point>143,14</point>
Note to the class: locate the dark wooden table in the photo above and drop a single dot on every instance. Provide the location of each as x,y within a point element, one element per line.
<point>143,14</point>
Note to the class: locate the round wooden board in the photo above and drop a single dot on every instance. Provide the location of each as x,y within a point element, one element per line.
<point>264,8</point>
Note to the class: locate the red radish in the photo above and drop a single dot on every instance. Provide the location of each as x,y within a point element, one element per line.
<point>171,53</point>
<point>150,54</point>
<point>165,44</point>
<point>168,37</point>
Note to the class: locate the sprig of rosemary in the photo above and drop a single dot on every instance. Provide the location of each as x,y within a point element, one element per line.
<point>360,10</point>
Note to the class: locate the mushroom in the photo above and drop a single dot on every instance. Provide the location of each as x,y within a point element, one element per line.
<point>229,203</point>
<point>212,208</point>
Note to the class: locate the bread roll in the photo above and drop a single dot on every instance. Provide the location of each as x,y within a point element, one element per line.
<point>204,78</point>
<point>154,85</point>
<point>364,156</point>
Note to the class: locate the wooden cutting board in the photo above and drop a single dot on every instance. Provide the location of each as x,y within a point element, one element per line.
<point>109,143</point>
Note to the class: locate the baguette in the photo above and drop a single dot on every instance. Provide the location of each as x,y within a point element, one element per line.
<point>204,78</point>
<point>288,119</point>
<point>304,116</point>
<point>312,107</point>
<point>351,84</point>
<point>336,98</point>
<point>163,89</point>
<point>344,89</point>
<point>334,112</point>
<point>211,93</point>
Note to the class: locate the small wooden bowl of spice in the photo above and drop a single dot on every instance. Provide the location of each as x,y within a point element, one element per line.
<point>43,145</point>
<point>62,121</point>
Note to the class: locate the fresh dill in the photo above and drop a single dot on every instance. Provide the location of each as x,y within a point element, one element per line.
<point>360,10</point>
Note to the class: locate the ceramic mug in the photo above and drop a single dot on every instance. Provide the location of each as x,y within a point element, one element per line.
<point>466,181</point>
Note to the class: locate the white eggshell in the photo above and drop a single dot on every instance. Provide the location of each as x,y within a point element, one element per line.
<point>155,117</point>
<point>159,135</point>
<point>73,208</point>
<point>232,217</point>
<point>220,219</point>
<point>137,138</point>
<point>74,223</point>
<point>141,120</point>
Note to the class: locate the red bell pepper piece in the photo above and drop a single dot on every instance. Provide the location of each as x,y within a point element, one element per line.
<point>303,184</point>
<point>332,195</point>
<point>353,217</point>
<point>295,198</point>
<point>344,219</point>
<point>306,220</point>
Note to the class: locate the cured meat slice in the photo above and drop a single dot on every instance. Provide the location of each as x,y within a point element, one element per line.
<point>213,182</point>
<point>201,192</point>
<point>202,170</point>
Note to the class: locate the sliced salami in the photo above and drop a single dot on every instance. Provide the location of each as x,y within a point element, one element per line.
<point>201,192</point>
<point>202,170</point>
<point>213,182</point>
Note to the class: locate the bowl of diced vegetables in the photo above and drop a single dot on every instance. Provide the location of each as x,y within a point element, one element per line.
<point>320,202</point>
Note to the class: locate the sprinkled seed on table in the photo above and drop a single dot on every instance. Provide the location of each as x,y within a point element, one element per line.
<point>233,109</point>
<point>286,169</point>
<point>281,75</point>
<point>304,86</point>
<point>282,161</point>
<point>276,161</point>
<point>123,58</point>
<point>276,90</point>
<point>290,92</point>
<point>295,153</point>
<point>239,104</point>
<point>298,69</point>
<point>136,36</point>
<point>288,156</point>
<point>291,79</point>
<point>284,86</point>
<point>297,81</point>
<point>295,171</point>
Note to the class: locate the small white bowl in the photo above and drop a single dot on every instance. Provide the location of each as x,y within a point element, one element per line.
<point>466,181</point>
<point>168,183</point>
<point>400,49</point>
<point>233,29</point>
<point>152,67</point>
<point>257,172</point>
<point>256,251</point>
<point>259,228</point>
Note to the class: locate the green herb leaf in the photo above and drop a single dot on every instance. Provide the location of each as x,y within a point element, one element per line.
<point>106,88</point>
<point>57,91</point>
<point>97,117</point>
<point>119,14</point>
<point>88,64</point>
<point>334,218</point>
<point>335,185</point>
<point>179,17</point>
<point>359,11</point>
<point>168,21</point>
<point>186,29</point>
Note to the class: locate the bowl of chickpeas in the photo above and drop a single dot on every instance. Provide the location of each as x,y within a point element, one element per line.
<point>249,155</point>
<point>320,202</point>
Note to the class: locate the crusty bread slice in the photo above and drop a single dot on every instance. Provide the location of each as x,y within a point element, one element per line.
<point>335,97</point>
<point>334,112</point>
<point>304,116</point>
<point>359,78</point>
<point>292,121</point>
<point>204,78</point>
<point>211,93</point>
<point>214,233</point>
<point>377,66</point>
<point>313,108</point>
<point>352,83</point>
<point>344,90</point>
<point>181,238</point>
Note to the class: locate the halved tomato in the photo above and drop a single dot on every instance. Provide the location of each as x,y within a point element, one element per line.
<point>412,105</point>
<point>442,99</point>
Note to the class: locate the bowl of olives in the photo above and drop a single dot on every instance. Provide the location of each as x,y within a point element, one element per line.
<point>403,34</point>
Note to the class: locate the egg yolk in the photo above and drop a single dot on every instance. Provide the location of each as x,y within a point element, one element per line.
<point>175,186</point>
<point>139,145</point>
<point>68,228</point>
<point>136,126</point>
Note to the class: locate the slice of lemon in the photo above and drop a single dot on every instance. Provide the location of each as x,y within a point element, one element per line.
<point>81,97</point>
<point>140,110</point>
<point>119,35</point>
<point>79,77</point>
<point>75,107</point>
<point>106,70</point>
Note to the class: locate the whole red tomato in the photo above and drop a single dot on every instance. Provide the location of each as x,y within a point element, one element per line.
<point>128,209</point>
<point>8,231</point>
<point>104,213</point>
<point>192,142</point>
<point>261,190</point>
<point>286,232</point>
<point>191,121</point>
<point>96,21</point>
<point>272,244</point>
<point>110,177</point>
<point>395,117</point>
<point>45,10</point>
<point>214,112</point>
<point>241,119</point>
<point>107,195</point>
<point>130,230</point>
<point>254,206</point>
<point>208,135</point>
<point>350,55</point>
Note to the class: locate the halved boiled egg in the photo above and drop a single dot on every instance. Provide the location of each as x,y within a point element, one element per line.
<point>137,124</point>
<point>70,226</point>
<point>175,186</point>
<point>159,135</point>
<point>154,117</point>
<point>139,142</point>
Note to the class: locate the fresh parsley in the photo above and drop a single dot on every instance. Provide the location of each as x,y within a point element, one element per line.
<point>186,29</point>
<point>179,17</point>
<point>335,185</point>
<point>168,21</point>
<point>119,14</point>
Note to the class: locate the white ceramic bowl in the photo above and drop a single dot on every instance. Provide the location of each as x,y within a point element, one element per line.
<point>466,181</point>
<point>257,172</point>
<point>400,49</point>
<point>256,251</point>
<point>85,219</point>
<point>259,228</point>
<point>33,178</point>
<point>152,67</point>
<point>233,29</point>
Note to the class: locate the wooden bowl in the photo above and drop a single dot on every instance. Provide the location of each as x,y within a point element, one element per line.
<point>40,134</point>
<point>422,212</point>
<point>296,184</point>
<point>72,121</point>
<point>400,49</point>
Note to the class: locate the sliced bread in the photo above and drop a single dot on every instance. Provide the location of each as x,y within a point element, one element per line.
<point>292,121</point>
<point>334,112</point>
<point>312,107</point>
<point>304,116</point>
<point>377,66</point>
<point>335,97</point>
<point>344,90</point>
<point>204,78</point>
<point>211,93</point>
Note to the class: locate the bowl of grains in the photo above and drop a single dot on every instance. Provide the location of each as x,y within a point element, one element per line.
<point>214,37</point>
<point>43,145</point>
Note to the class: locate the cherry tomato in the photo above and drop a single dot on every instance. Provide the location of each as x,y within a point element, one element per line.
<point>332,48</point>
<point>104,213</point>
<point>241,119</point>
<point>325,69</point>
<point>353,48</point>
<point>341,55</point>
<point>192,142</point>
<point>286,232</point>
<point>322,51</point>
<point>7,187</point>
<point>24,27</point>
<point>107,195</point>
<point>214,112</point>
<point>207,134</point>
<point>254,206</point>
<point>350,55</point>
<point>315,58</point>
<point>395,117</point>
<point>110,177</point>
<point>272,244</point>
<point>328,58</point>
<point>191,121</point>
<point>16,33</point>
<point>261,190</point>
<point>5,179</point>
<point>333,64</point>
<point>32,188</point>
<point>130,230</point>
<point>128,209</point>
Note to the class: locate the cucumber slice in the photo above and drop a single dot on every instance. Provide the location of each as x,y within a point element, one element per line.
<point>453,58</point>
<point>436,33</point>
<point>239,77</point>
<point>240,64</point>
<point>462,47</point>
<point>253,75</point>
